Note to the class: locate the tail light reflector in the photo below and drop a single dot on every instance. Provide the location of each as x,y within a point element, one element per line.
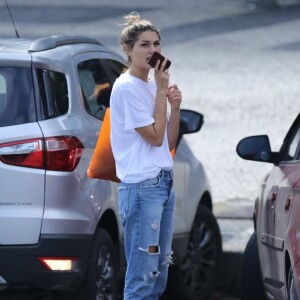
<point>59,263</point>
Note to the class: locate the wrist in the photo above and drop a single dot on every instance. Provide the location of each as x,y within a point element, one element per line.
<point>161,94</point>
<point>175,109</point>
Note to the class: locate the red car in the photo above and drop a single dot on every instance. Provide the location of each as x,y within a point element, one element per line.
<point>271,262</point>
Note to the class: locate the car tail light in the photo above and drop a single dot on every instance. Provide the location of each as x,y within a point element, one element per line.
<point>60,153</point>
<point>59,263</point>
<point>28,153</point>
<point>63,153</point>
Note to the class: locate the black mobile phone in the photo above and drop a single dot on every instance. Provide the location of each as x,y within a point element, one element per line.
<point>157,56</point>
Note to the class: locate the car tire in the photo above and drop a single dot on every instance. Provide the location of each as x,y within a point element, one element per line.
<point>100,280</point>
<point>196,277</point>
<point>292,292</point>
<point>251,276</point>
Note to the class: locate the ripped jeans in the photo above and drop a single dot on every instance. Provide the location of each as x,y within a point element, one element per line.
<point>146,211</point>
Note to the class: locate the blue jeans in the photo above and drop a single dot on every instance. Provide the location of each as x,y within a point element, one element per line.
<point>146,212</point>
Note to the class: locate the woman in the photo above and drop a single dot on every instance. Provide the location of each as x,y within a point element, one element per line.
<point>142,135</point>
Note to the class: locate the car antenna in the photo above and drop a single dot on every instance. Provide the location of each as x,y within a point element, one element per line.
<point>17,34</point>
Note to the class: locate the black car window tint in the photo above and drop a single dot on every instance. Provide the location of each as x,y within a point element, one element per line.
<point>53,93</point>
<point>59,87</point>
<point>16,96</point>
<point>3,92</point>
<point>294,146</point>
<point>95,87</point>
<point>116,67</point>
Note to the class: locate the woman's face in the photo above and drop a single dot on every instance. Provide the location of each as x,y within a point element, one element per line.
<point>147,43</point>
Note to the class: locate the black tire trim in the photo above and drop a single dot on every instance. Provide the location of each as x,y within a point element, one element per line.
<point>251,277</point>
<point>88,289</point>
<point>176,285</point>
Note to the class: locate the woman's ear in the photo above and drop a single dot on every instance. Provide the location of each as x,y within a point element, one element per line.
<point>127,49</point>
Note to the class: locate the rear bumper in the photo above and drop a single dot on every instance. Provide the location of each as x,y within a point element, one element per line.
<point>20,266</point>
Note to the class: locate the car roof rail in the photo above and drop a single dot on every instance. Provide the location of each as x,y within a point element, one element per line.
<point>55,41</point>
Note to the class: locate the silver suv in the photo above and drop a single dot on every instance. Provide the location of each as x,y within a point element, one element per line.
<point>59,230</point>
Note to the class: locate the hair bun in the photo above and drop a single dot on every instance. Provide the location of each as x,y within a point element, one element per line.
<point>132,18</point>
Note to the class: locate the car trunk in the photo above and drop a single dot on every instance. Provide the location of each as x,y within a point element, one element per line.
<point>22,172</point>
<point>22,193</point>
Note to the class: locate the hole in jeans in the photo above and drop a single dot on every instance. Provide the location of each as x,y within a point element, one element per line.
<point>151,250</point>
<point>154,274</point>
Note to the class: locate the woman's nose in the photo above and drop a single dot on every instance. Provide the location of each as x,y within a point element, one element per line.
<point>153,49</point>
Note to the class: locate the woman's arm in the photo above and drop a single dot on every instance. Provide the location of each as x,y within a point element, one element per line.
<point>174,98</point>
<point>154,133</point>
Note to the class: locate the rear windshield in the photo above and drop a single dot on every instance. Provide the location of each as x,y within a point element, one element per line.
<point>16,96</point>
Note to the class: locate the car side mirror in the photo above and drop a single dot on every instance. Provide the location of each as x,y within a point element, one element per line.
<point>256,148</point>
<point>190,122</point>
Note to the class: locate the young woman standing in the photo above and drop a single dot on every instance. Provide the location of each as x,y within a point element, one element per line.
<point>142,135</point>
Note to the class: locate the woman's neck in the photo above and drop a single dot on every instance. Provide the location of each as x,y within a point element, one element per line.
<point>139,73</point>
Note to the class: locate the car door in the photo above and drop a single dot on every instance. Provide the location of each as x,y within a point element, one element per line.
<point>285,192</point>
<point>293,233</point>
<point>279,203</point>
<point>95,87</point>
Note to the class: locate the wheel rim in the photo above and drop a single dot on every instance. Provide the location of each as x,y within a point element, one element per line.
<point>198,267</point>
<point>105,274</point>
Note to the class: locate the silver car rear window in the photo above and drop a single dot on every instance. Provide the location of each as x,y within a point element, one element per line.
<point>16,96</point>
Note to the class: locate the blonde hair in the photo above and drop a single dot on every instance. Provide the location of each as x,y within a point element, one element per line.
<point>134,26</point>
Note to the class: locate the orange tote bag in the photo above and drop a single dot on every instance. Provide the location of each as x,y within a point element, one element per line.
<point>102,165</point>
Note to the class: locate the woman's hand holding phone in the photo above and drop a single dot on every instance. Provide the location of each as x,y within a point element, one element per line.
<point>158,57</point>
<point>161,77</point>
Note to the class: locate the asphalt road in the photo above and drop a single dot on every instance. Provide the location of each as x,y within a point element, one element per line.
<point>236,64</point>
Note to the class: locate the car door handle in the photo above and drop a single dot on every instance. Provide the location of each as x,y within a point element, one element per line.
<point>287,204</point>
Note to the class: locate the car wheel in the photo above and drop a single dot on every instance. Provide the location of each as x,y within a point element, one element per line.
<point>292,292</point>
<point>251,277</point>
<point>195,278</point>
<point>100,280</point>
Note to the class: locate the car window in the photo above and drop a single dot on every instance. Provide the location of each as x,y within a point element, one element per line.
<point>16,96</point>
<point>95,87</point>
<point>3,92</point>
<point>53,93</point>
<point>294,145</point>
<point>116,67</point>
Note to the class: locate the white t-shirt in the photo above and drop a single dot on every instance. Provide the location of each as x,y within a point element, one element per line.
<point>132,105</point>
